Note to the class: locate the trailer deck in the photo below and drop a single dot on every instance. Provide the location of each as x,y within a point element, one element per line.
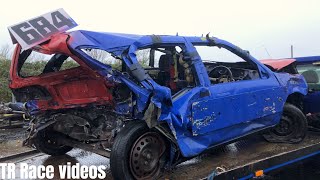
<point>239,160</point>
<point>243,159</point>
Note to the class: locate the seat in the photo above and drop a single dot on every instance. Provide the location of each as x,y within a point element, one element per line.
<point>312,79</point>
<point>165,63</point>
<point>311,76</point>
<point>167,75</point>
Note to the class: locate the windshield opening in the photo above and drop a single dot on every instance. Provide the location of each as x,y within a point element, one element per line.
<point>104,57</point>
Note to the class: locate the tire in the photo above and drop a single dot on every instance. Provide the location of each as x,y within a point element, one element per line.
<point>292,127</point>
<point>46,144</point>
<point>124,147</point>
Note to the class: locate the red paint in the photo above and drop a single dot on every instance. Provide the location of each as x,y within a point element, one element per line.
<point>76,87</point>
<point>172,83</point>
<point>278,63</point>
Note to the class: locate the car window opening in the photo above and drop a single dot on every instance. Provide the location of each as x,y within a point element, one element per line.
<point>311,73</point>
<point>43,63</point>
<point>167,66</point>
<point>223,66</point>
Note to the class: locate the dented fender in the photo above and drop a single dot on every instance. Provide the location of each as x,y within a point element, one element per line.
<point>293,83</point>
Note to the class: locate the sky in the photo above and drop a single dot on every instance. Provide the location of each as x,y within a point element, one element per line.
<point>267,28</point>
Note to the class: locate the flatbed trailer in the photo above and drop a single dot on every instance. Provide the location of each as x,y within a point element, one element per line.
<point>251,158</point>
<point>240,160</point>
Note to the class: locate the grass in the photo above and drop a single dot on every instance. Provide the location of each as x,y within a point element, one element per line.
<point>5,92</point>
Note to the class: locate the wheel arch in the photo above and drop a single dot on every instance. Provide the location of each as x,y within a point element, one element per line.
<point>296,99</point>
<point>163,128</point>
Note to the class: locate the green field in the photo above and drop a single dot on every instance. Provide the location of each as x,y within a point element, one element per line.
<point>5,93</point>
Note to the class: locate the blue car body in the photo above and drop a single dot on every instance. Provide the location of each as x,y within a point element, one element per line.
<point>311,101</point>
<point>201,116</point>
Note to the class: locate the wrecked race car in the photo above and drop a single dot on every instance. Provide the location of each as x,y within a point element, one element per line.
<point>146,101</point>
<point>175,106</point>
<point>309,68</point>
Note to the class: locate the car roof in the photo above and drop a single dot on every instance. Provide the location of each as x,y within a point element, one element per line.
<point>102,40</point>
<point>119,42</point>
<point>307,59</point>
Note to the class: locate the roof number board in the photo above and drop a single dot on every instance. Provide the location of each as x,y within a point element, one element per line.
<point>37,30</point>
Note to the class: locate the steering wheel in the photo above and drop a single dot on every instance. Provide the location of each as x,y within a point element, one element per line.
<point>221,72</point>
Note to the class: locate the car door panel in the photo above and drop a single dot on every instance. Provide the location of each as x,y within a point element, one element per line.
<point>233,103</point>
<point>310,102</point>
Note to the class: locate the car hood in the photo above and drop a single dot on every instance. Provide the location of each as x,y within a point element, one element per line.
<point>278,64</point>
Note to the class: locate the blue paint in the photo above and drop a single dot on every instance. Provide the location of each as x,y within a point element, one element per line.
<point>307,59</point>
<point>312,98</point>
<point>311,101</point>
<point>197,121</point>
<point>32,107</point>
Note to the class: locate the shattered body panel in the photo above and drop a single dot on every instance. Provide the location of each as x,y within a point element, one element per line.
<point>199,116</point>
<point>71,88</point>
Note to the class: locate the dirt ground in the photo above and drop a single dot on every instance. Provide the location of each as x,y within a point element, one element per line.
<point>11,142</point>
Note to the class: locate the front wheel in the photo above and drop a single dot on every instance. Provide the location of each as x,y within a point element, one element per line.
<point>292,127</point>
<point>137,152</point>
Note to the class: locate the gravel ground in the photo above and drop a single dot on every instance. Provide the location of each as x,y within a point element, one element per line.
<point>11,142</point>
<point>10,139</point>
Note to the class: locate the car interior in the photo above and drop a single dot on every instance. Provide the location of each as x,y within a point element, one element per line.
<point>311,74</point>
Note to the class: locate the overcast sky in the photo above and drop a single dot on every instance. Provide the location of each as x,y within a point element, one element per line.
<point>264,27</point>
